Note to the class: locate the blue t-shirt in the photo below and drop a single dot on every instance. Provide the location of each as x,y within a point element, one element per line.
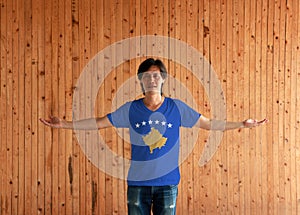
<point>154,137</point>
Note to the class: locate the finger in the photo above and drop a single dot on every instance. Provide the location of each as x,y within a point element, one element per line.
<point>45,122</point>
<point>263,121</point>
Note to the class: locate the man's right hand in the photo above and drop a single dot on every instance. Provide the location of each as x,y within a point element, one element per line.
<point>54,122</point>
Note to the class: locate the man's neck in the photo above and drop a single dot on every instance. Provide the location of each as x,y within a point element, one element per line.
<point>153,100</point>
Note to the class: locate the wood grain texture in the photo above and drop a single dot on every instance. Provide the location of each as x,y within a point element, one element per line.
<point>252,46</point>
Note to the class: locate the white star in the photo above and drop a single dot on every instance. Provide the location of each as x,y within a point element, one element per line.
<point>143,123</point>
<point>156,122</point>
<point>150,122</point>
<point>170,125</point>
<point>163,123</point>
<point>137,125</point>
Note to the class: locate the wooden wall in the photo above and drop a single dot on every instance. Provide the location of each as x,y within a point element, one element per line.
<point>254,49</point>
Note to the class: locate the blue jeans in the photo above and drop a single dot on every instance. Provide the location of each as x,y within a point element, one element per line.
<point>162,200</point>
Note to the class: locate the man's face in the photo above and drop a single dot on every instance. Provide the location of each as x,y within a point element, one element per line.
<point>152,80</point>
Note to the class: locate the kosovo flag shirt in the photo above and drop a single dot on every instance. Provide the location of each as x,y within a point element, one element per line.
<point>155,139</point>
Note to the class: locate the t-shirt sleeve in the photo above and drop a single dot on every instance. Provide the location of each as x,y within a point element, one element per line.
<point>120,117</point>
<point>188,115</point>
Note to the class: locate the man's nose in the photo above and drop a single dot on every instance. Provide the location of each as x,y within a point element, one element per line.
<point>152,79</point>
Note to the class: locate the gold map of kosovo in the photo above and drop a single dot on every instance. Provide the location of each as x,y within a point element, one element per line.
<point>154,140</point>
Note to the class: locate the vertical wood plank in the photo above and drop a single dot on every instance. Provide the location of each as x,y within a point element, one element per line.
<point>212,57</point>
<point>128,20</point>
<point>205,46</point>
<point>87,10</point>
<point>117,20</point>
<point>104,209</point>
<point>231,139</point>
<point>192,21</point>
<point>82,53</point>
<point>68,158</point>
<point>254,181</point>
<point>293,17</point>
<point>48,107</point>
<point>61,98</point>
<point>297,66</point>
<point>27,106</point>
<point>15,107</point>
<point>229,103</point>
<point>94,148</point>
<point>264,97</point>
<point>107,100</point>
<point>75,161</point>
<point>9,109</point>
<point>55,49</point>
<point>264,106</point>
<point>97,177</point>
<point>133,14</point>
<point>235,106</point>
<point>3,94</point>
<point>77,69</point>
<point>275,117</point>
<point>41,109</point>
<point>223,196</point>
<point>270,144</point>
<point>186,165</point>
<point>218,69</point>
<point>281,133</point>
<point>287,106</point>
<point>246,104</point>
<point>1,91</point>
<point>21,202</point>
<point>100,108</point>
<point>34,106</point>
<point>240,33</point>
<point>257,109</point>
<point>177,75</point>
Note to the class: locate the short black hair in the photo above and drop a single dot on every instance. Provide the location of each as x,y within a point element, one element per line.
<point>146,64</point>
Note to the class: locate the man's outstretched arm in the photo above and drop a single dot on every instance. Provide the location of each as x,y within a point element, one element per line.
<point>85,124</point>
<point>221,125</point>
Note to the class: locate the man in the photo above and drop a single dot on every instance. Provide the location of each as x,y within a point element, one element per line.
<point>154,122</point>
